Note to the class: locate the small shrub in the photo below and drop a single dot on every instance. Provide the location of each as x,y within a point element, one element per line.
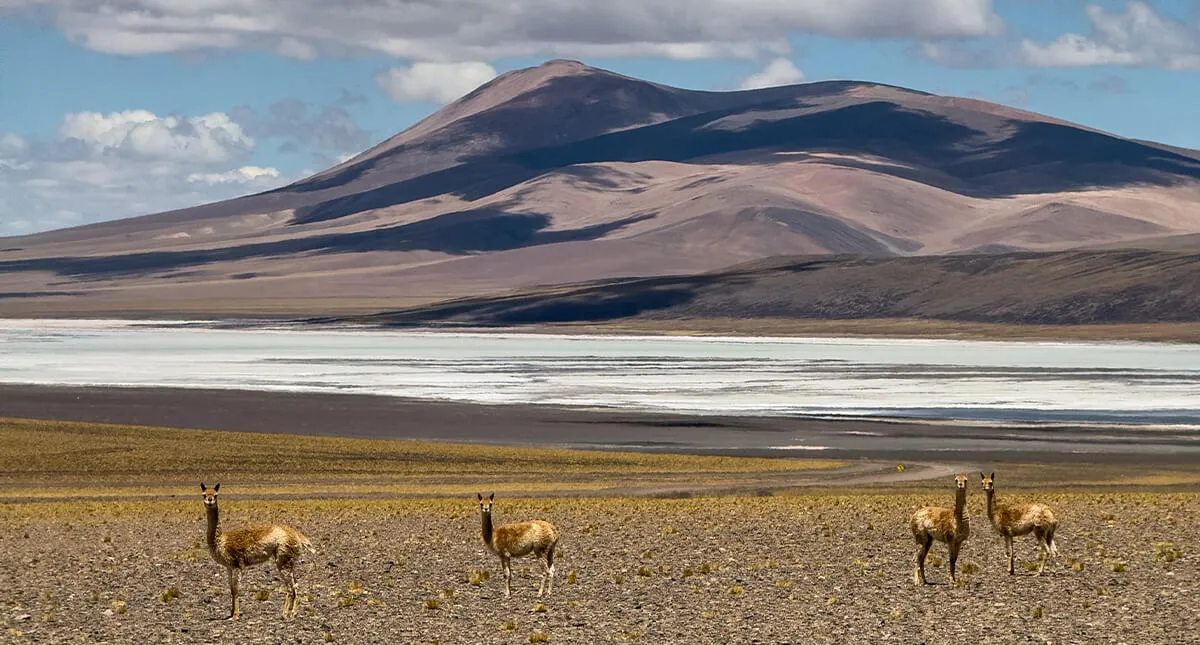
<point>262,594</point>
<point>1166,552</point>
<point>327,637</point>
<point>970,569</point>
<point>447,594</point>
<point>571,577</point>
<point>119,606</point>
<point>644,572</point>
<point>476,577</point>
<point>1119,566</point>
<point>509,625</point>
<point>736,590</point>
<point>1036,613</point>
<point>539,608</point>
<point>432,604</point>
<point>618,578</point>
<point>539,637</point>
<point>170,594</point>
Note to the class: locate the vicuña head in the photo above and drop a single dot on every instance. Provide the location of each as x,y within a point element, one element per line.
<point>1020,519</point>
<point>519,539</point>
<point>932,523</point>
<point>247,547</point>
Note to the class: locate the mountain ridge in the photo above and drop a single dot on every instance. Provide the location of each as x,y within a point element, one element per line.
<point>564,172</point>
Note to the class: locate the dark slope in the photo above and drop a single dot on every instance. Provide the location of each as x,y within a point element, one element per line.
<point>1074,287</point>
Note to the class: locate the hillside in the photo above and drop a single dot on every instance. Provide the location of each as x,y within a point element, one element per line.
<point>1060,288</point>
<point>566,173</point>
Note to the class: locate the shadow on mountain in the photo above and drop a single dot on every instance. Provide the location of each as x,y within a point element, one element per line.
<point>607,301</point>
<point>461,233</point>
<point>1059,288</point>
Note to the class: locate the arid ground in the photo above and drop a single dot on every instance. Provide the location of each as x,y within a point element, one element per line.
<point>101,540</point>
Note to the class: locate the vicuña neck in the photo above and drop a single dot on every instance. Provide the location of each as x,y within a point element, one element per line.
<point>960,503</point>
<point>487,528</point>
<point>991,503</point>
<point>213,529</point>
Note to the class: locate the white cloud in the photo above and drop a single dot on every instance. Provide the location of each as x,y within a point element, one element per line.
<point>122,164</point>
<point>1139,36</point>
<point>457,30</point>
<point>780,71</point>
<point>436,82</point>
<point>242,175</point>
<point>298,49</point>
<point>139,133</point>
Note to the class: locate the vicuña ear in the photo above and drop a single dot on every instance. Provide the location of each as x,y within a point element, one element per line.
<point>479,496</point>
<point>491,497</point>
<point>993,475</point>
<point>203,487</point>
<point>217,488</point>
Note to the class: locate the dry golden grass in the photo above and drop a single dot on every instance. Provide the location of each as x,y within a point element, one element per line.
<point>61,459</point>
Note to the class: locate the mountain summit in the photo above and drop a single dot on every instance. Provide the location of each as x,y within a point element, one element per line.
<point>565,172</point>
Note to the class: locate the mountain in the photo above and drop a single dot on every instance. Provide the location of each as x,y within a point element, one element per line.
<point>566,173</point>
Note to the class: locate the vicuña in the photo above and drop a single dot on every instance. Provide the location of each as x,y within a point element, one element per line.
<point>944,525</point>
<point>1021,519</point>
<point>253,545</point>
<point>519,539</point>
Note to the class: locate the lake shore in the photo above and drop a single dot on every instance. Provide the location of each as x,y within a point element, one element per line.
<point>385,417</point>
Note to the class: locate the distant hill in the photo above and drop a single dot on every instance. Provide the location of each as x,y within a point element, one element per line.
<point>1057,288</point>
<point>567,173</point>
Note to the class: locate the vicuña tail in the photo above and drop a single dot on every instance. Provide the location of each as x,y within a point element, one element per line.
<point>1050,540</point>
<point>308,546</point>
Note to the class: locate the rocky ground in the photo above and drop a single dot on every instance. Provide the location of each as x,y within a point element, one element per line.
<point>785,569</point>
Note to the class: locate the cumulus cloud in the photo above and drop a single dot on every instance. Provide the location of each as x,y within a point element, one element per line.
<point>122,164</point>
<point>780,71</point>
<point>140,133</point>
<point>1138,36</point>
<point>242,175</point>
<point>434,82</point>
<point>457,30</point>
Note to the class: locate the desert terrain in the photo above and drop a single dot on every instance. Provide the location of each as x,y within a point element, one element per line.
<point>101,539</point>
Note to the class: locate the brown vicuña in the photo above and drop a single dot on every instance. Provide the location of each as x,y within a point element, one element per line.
<point>253,545</point>
<point>519,539</point>
<point>1021,519</point>
<point>944,525</point>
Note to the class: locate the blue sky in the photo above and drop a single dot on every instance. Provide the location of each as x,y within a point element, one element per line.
<point>135,106</point>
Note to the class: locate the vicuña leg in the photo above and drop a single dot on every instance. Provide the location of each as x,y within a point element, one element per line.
<point>289,578</point>
<point>235,575</point>
<point>954,547</point>
<point>919,560</point>
<point>550,570</point>
<point>1008,545</point>
<point>504,564</point>
<point>1043,549</point>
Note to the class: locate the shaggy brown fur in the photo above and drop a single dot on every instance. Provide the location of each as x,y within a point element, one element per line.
<point>944,525</point>
<point>253,545</point>
<point>520,539</point>
<point>1021,519</point>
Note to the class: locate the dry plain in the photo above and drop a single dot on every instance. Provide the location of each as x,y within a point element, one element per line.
<point>101,540</point>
